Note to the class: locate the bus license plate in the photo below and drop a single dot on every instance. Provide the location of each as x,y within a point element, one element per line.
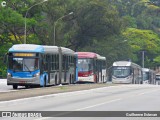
<point>22,82</point>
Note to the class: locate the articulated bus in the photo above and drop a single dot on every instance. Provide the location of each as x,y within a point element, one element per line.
<point>126,72</point>
<point>148,76</point>
<point>91,67</point>
<point>30,65</point>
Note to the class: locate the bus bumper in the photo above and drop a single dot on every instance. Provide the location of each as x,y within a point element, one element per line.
<point>23,81</point>
<point>86,79</point>
<point>122,81</point>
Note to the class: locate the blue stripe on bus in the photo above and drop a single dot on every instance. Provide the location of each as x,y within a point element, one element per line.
<point>26,74</point>
<point>42,78</point>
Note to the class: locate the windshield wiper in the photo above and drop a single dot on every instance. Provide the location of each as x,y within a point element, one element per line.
<point>27,67</point>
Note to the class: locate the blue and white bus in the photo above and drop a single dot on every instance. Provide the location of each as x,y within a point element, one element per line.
<point>30,65</point>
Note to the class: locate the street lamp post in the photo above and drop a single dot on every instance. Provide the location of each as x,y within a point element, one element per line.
<point>143,59</point>
<point>25,24</point>
<point>55,23</point>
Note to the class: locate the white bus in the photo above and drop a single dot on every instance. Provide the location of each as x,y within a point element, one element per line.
<point>148,76</point>
<point>126,72</point>
<point>30,65</point>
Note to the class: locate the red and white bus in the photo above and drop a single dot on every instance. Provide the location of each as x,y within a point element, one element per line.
<point>91,67</point>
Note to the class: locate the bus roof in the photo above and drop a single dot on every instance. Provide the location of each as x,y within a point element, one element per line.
<point>86,55</point>
<point>55,49</point>
<point>90,55</point>
<point>122,63</point>
<point>125,63</point>
<point>50,49</point>
<point>101,57</point>
<point>26,48</point>
<point>145,69</point>
<point>67,51</point>
<point>40,49</point>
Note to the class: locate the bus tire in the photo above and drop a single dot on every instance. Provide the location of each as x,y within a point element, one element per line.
<point>45,83</point>
<point>103,79</point>
<point>132,81</point>
<point>15,86</point>
<point>73,79</point>
<point>70,79</point>
<point>95,79</point>
<point>56,80</point>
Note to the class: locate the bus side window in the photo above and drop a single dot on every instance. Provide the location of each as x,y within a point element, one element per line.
<point>43,64</point>
<point>36,64</point>
<point>130,71</point>
<point>67,62</point>
<point>90,67</point>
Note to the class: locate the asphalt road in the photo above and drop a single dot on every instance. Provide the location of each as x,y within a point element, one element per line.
<point>6,88</point>
<point>7,93</point>
<point>3,86</point>
<point>113,98</point>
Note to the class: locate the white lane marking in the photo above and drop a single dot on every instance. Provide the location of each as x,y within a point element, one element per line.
<point>98,104</point>
<point>44,118</point>
<point>65,94</point>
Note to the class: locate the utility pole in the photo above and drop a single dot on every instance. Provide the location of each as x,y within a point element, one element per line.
<point>143,59</point>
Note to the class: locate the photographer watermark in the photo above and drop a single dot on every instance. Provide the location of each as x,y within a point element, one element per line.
<point>21,114</point>
<point>3,3</point>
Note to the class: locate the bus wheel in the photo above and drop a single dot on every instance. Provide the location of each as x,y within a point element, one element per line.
<point>70,80</point>
<point>56,80</point>
<point>45,82</point>
<point>95,78</point>
<point>132,81</point>
<point>103,79</point>
<point>73,79</point>
<point>15,86</point>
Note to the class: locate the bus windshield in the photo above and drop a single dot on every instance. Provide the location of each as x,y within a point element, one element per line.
<point>158,77</point>
<point>23,64</point>
<point>85,65</point>
<point>145,76</point>
<point>121,71</point>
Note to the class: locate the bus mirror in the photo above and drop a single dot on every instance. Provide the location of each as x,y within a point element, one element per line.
<point>5,58</point>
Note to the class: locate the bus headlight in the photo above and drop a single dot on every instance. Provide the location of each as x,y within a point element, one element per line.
<point>128,77</point>
<point>9,74</point>
<point>37,74</point>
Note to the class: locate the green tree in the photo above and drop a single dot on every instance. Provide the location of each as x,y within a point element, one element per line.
<point>145,40</point>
